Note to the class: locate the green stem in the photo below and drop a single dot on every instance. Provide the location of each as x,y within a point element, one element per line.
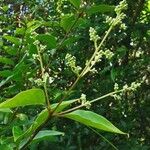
<point>105,37</point>
<point>45,82</point>
<point>92,101</point>
<point>104,96</point>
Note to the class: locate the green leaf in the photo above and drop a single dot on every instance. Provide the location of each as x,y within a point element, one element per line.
<point>100,9</point>
<point>121,51</point>
<point>43,116</point>
<point>28,97</point>
<point>113,74</point>
<point>5,60</point>
<point>75,3</point>
<point>5,110</point>
<point>11,50</point>
<point>33,25</point>
<point>67,21</point>
<point>63,105</point>
<point>148,6</point>
<point>70,40</point>
<point>16,132</point>
<point>5,8</point>
<point>5,147</point>
<point>92,119</point>
<point>5,73</point>
<point>3,82</point>
<point>47,39</point>
<point>12,39</point>
<point>46,135</point>
<point>20,31</point>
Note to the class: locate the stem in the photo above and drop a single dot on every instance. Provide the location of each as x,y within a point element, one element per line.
<point>45,82</point>
<point>106,35</point>
<point>92,101</point>
<point>47,102</point>
<point>72,109</point>
<point>104,96</point>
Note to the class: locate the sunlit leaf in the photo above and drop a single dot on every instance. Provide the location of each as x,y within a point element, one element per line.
<point>16,132</point>
<point>5,110</point>
<point>12,39</point>
<point>7,61</point>
<point>5,73</point>
<point>28,97</point>
<point>48,40</point>
<point>92,119</point>
<point>46,135</point>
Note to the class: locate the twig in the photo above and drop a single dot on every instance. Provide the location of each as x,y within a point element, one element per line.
<point>92,101</point>
<point>45,82</point>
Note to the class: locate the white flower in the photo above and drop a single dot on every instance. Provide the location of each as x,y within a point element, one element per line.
<point>93,34</point>
<point>51,80</point>
<point>39,82</point>
<point>71,62</point>
<point>36,42</point>
<point>116,87</point>
<point>35,56</point>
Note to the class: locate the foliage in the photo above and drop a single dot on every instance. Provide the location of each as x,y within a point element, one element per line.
<point>60,58</point>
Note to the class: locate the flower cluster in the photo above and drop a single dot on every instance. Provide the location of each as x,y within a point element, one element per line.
<point>38,82</point>
<point>36,42</point>
<point>98,57</point>
<point>71,62</point>
<point>59,5</point>
<point>93,34</point>
<point>108,54</point>
<point>117,96</point>
<point>41,81</point>
<point>84,101</point>
<point>116,87</point>
<point>42,48</point>
<point>45,76</point>
<point>35,56</point>
<point>133,86</point>
<point>122,6</point>
<point>83,98</point>
<point>120,15</point>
